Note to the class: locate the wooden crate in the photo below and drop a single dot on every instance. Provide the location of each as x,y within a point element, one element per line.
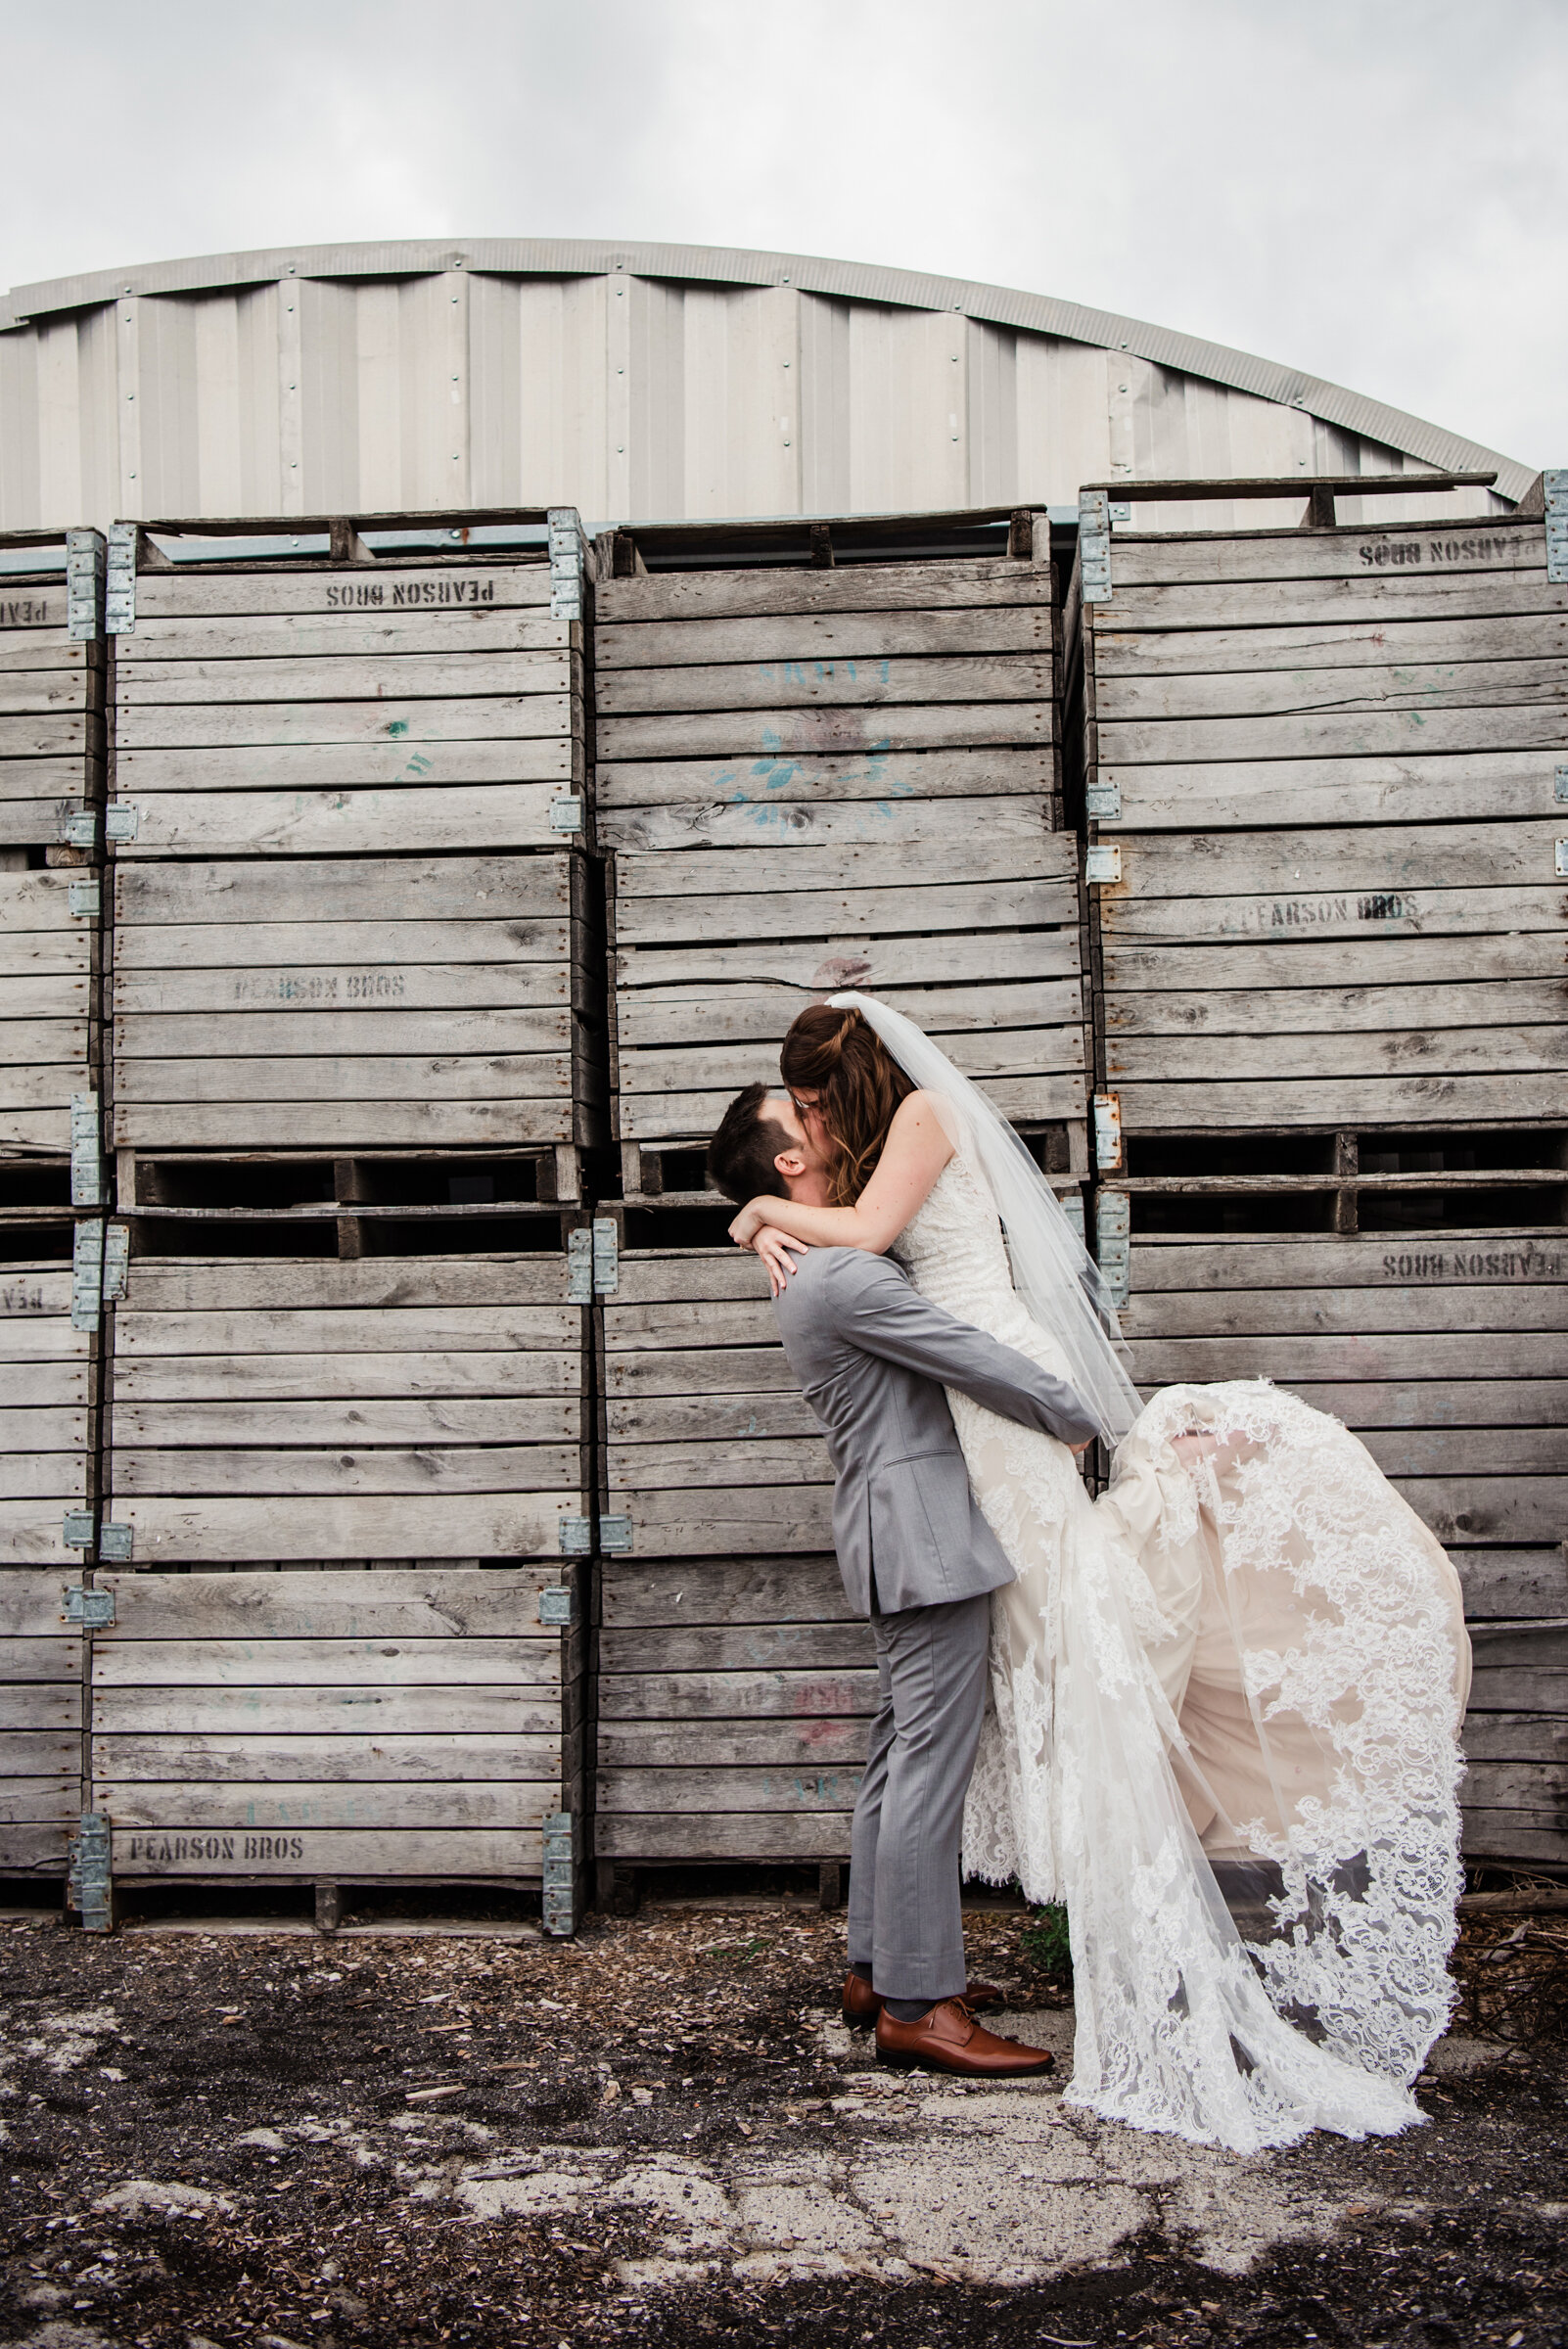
<point>390,1407</point>
<point>51,697</point>
<point>49,1005</point>
<point>338,1727</point>
<point>1330,763</point>
<point>40,1721</point>
<point>49,1371</point>
<point>1446,1352</point>
<point>814,780</point>
<point>355,1003</point>
<point>734,1687</point>
<point>311,707</point>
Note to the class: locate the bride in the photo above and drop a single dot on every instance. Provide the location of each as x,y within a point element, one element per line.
<point>1240,1670</point>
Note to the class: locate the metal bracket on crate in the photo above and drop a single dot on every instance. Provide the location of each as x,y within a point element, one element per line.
<point>86,900</point>
<point>566,814</point>
<point>86,1159</point>
<point>565,562</point>
<point>119,600</point>
<point>116,1544</point>
<point>1562,857</point>
<point>89,1610</point>
<point>86,1274</point>
<point>615,1536</point>
<point>1108,1131</point>
<point>123,821</point>
<point>1094,545</point>
<point>605,1256</point>
<point>1113,1242</point>
<point>558,1605</point>
<point>116,1261</point>
<point>579,1267</point>
<point>89,1882</point>
<point>1103,862</point>
<point>84,581</point>
<point>78,827</point>
<point>1072,1206</point>
<point>575,1536</point>
<point>1555,486</point>
<point>560,1873</point>
<point>1102,803</point>
<point>77,1531</point>
<point>1559,790</point>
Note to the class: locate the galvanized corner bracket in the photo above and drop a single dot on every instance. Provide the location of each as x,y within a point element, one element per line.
<point>89,1883</point>
<point>117,1261</point>
<point>121,821</point>
<point>1102,803</point>
<point>579,1267</point>
<point>88,1610</point>
<point>558,1605</point>
<point>575,1536</point>
<point>1559,787</point>
<point>78,1529</point>
<point>605,1256</point>
<point>1103,862</point>
<point>615,1536</point>
<point>1555,486</point>
<point>84,589</point>
<point>86,1155</point>
<point>119,600</point>
<point>565,562</point>
<point>566,814</point>
<point>87,1274</point>
<point>78,827</point>
<point>1108,1133</point>
<point>1094,545</point>
<point>116,1544</point>
<point>560,1873</point>
<point>1113,1243</point>
<point>86,900</point>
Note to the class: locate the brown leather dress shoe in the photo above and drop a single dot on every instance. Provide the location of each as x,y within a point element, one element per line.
<point>861,2004</point>
<point>949,2040</point>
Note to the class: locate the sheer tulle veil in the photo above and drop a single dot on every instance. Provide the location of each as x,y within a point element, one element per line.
<point>1052,1270</point>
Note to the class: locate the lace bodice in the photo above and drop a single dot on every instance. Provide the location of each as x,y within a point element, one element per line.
<point>955,1254</point>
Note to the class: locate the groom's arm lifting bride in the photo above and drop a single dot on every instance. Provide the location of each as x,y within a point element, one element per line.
<point>872,1356</point>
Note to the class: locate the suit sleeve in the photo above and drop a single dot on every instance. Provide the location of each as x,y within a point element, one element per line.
<point>875,1308</point>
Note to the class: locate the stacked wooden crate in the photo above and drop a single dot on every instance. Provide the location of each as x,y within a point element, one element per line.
<point>828,758</point>
<point>1326,771</point>
<point>52,661</point>
<point>353,1072</point>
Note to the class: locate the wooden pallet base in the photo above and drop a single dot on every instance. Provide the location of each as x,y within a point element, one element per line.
<point>672,1173</point>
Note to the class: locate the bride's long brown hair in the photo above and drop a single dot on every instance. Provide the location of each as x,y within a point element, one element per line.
<point>858,1085</point>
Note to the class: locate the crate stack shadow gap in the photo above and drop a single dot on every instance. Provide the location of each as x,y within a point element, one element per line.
<point>828,756</point>
<point>356,1077</point>
<point>1327,778</point>
<point>51,783</point>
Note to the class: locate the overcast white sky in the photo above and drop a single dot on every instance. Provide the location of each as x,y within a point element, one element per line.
<point>1373,190</point>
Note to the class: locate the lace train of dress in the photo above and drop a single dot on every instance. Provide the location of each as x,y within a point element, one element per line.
<point>1247,1674</point>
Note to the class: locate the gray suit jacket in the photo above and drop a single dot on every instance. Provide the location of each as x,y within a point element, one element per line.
<point>873,1358</point>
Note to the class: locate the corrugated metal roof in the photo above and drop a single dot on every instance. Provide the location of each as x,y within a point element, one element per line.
<point>849,280</point>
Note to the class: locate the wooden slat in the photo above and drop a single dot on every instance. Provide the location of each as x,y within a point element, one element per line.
<point>392,763</point>
<point>1251,795</point>
<point>310,823</point>
<point>1374,598</point>
<point>1458,683</point>
<point>1387,1101</point>
<point>380,1326</point>
<point>824,681</point>
<point>275,1662</point>
<point>1317,1013</point>
<point>247,1380</point>
<point>748,1014</point>
<point>434,675</point>
<point>1407,554</point>
<point>849,636</point>
<point>738,1835</point>
<point>336,635</point>
<point>696,595</point>
<point>286,1804</point>
<point>656,1745</point>
<point>359,1422</point>
<point>432,1469</point>
<point>422,1604</point>
<point>332,889</point>
<point>456,988</point>
<point>349,1758</point>
<point>667,1117</point>
<point>849,732</point>
<point>829,1786</point>
<point>354,1853</point>
<point>822,964</point>
<point>220,1530</point>
<point>295,961</point>
<point>346,1125</point>
<point>767,1591</point>
<point>433,1081</point>
<point>410,724</point>
<point>773,782</point>
<point>1331,644</point>
<point>907,832</point>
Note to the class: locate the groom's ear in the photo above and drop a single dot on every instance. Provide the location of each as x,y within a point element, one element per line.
<point>789,1163</point>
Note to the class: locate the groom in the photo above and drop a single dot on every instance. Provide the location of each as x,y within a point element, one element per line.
<point>873,1357</point>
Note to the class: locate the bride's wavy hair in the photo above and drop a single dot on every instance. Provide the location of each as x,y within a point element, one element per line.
<point>858,1085</point>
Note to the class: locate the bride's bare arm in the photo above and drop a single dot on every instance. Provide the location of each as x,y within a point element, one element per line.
<point>914,1154</point>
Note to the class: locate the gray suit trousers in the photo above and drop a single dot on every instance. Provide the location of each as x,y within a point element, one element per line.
<point>905,1918</point>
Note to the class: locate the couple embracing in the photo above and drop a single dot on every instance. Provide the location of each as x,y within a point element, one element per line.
<point>1229,1685</point>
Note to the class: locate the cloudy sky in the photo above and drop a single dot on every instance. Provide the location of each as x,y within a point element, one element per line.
<point>1373,190</point>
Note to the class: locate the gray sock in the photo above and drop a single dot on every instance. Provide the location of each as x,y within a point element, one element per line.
<point>910,2010</point>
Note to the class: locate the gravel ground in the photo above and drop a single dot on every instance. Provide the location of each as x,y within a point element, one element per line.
<point>660,2134</point>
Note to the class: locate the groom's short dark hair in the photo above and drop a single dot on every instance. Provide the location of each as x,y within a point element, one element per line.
<point>741,1155</point>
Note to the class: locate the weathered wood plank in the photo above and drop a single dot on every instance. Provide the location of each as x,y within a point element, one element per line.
<point>227,1529</point>
<point>39,1800</point>
<point>324,1803</point>
<point>1421,1261</point>
<point>382,1662</point>
<point>1372,733</point>
<point>744,1014</point>
<point>349,1758</point>
<point>364,1124</point>
<point>822,965</point>
<point>36,692</point>
<point>733,1590</point>
<point>1520,1305</point>
<point>835,1645</point>
<point>44,1476</point>
<point>185,595</point>
<point>1374,599</point>
<point>1295,960</point>
<point>1516,1736</point>
<point>140,1853</point>
<point>728,1697</point>
<point>826,1786</point>
<point>289,961</point>
<point>902,829</point>
<point>1387,1101</point>
<point>861,636</point>
<point>1512,1583</point>
<point>848,730</point>
<point>1323,1012</point>
<point>1329,644</point>
<point>668,1117</point>
<point>1387,858</point>
<point>347,991</point>
<point>52,1706</point>
<point>446,1710</point>
<point>694,1466</point>
<point>331,636</point>
<point>732,1369</point>
<point>1407,554</point>
<point>704,1068</point>
<point>1481,1508</point>
<point>380,1326</point>
<point>431,1470</point>
<point>407,722</point>
<point>848,913</point>
<point>475,1035</point>
<point>1503,1835</point>
<point>1292,1359</point>
<point>731,1744</point>
<point>209,683</point>
<point>58,1658</point>
<point>312,823</point>
<point>317,1379</point>
<point>728,595</point>
<point>638,1419</point>
<point>392,763</point>
<point>1309,689</point>
<point>825,681</point>
<point>34,1851</point>
<point>425,889</point>
<point>360,1422</point>
<point>1427,1051</point>
<point>721,1520</point>
<point>33,1604</point>
<point>1011,843</point>
<point>736,1835</point>
<point>56,735</point>
<point>1249,795</point>
<point>24,1042</point>
<point>422,1603</point>
<point>771,782</point>
<point>431,1081</point>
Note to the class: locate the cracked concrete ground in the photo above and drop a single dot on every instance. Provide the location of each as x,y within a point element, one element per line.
<point>664,2131</point>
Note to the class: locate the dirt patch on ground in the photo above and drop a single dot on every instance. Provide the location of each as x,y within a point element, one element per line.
<point>661,2131</point>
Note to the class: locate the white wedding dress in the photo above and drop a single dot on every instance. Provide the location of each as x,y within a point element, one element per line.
<point>1251,1672</point>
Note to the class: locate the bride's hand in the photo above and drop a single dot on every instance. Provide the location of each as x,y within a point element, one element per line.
<point>749,1222</point>
<point>779,1253</point>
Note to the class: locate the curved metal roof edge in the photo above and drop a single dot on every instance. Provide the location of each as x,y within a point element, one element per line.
<point>853,281</point>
